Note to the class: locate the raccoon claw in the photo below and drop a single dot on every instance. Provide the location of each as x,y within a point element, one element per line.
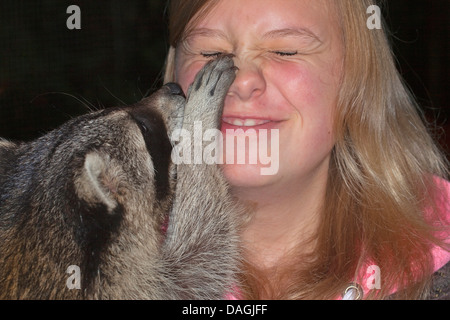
<point>207,94</point>
<point>217,73</point>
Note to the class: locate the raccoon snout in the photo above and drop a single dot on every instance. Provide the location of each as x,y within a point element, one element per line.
<point>175,88</point>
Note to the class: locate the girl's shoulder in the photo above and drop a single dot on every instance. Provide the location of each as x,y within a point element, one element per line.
<point>441,256</point>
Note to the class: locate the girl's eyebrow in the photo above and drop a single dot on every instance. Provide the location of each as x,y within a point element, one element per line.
<point>206,32</point>
<point>302,33</point>
<point>292,32</point>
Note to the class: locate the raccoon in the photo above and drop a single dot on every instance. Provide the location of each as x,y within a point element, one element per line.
<point>102,195</point>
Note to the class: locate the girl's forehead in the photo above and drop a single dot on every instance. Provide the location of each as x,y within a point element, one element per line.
<point>268,18</point>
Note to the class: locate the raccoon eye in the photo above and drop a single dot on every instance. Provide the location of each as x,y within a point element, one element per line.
<point>143,127</point>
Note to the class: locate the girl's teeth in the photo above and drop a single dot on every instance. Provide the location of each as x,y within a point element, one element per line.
<point>250,123</point>
<point>245,122</point>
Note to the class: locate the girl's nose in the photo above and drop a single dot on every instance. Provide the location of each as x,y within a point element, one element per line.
<point>249,82</point>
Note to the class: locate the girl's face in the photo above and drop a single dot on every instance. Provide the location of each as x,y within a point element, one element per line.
<point>289,55</point>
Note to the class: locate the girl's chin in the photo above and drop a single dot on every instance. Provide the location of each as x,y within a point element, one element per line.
<point>247,176</point>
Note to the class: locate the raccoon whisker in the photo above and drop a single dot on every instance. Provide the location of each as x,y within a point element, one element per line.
<point>100,105</point>
<point>147,92</point>
<point>89,106</point>
<point>112,95</point>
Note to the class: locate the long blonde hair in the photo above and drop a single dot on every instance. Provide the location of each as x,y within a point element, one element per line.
<point>382,176</point>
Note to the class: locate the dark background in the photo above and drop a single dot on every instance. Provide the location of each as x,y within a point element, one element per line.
<point>49,74</point>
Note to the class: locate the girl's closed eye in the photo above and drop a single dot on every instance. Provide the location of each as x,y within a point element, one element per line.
<point>210,55</point>
<point>285,53</point>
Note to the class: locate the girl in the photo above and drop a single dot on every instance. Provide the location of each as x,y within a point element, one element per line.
<point>359,205</point>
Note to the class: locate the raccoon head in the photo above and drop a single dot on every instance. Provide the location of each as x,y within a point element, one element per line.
<point>127,153</point>
<point>123,177</point>
<point>94,189</point>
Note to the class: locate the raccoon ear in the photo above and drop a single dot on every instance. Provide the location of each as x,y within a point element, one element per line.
<point>97,183</point>
<point>7,145</point>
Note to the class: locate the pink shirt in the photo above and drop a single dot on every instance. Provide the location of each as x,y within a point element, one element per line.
<point>441,256</point>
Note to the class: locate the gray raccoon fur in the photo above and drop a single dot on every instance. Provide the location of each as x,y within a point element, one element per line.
<point>95,193</point>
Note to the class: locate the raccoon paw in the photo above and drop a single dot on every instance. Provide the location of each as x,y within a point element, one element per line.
<point>207,93</point>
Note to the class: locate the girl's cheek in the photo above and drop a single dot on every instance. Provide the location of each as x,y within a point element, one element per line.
<point>296,82</point>
<point>186,72</point>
